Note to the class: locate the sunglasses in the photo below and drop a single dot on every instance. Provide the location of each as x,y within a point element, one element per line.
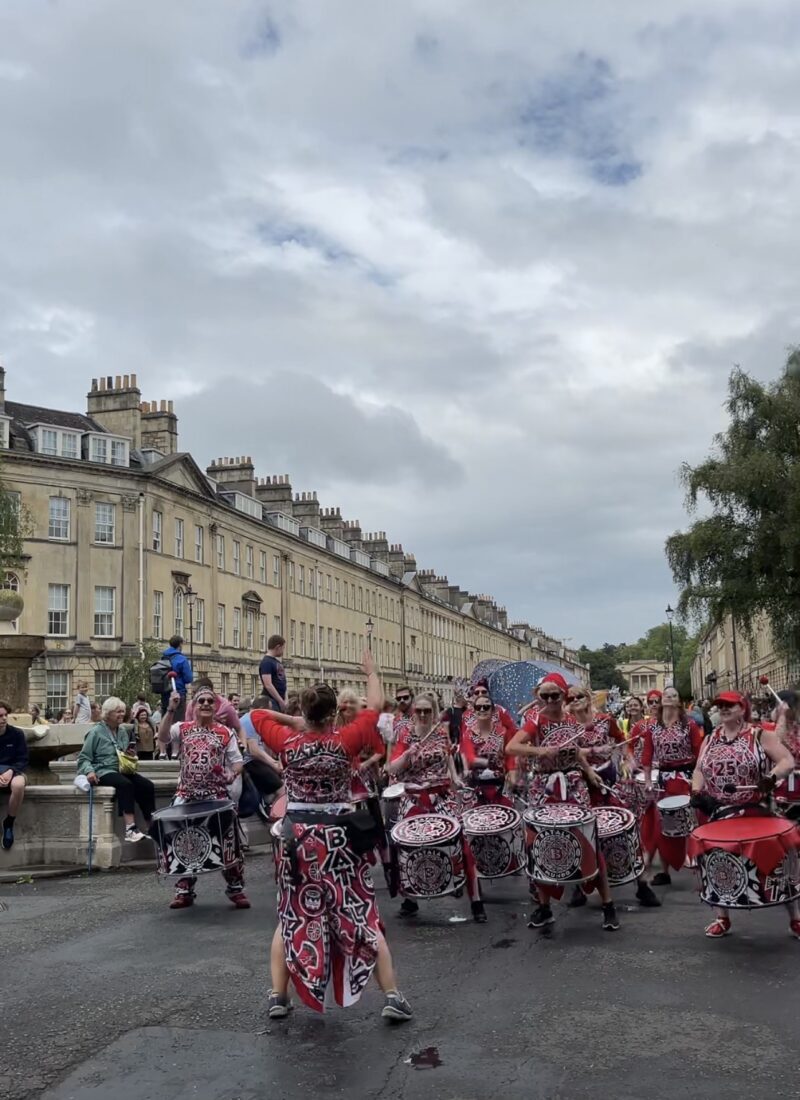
<point>205,700</point>
<point>576,699</point>
<point>550,697</point>
<point>726,706</point>
<point>483,707</point>
<point>422,710</point>
<point>402,698</point>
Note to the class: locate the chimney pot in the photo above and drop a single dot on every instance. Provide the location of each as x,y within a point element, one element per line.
<point>133,380</point>
<point>118,382</point>
<point>126,381</point>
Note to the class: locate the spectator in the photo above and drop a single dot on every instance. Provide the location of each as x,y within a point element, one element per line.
<point>13,762</point>
<point>273,676</point>
<point>234,699</point>
<point>386,722</point>
<point>143,703</point>
<point>82,706</point>
<point>96,712</point>
<point>63,718</point>
<point>99,760</point>
<point>36,716</point>
<point>181,676</point>
<point>143,732</point>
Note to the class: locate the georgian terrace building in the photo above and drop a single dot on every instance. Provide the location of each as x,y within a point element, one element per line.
<point>132,541</point>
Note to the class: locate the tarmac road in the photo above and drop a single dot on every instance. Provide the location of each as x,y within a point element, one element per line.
<point>107,993</point>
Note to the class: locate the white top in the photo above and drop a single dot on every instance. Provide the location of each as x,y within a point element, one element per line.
<point>84,705</point>
<point>386,728</point>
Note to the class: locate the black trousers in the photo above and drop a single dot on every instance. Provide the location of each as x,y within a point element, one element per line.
<point>130,790</point>
<point>265,779</point>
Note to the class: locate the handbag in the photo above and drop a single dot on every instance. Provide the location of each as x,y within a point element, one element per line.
<point>128,765</point>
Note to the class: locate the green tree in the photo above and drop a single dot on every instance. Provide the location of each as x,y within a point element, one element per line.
<point>743,558</point>
<point>134,674</point>
<point>604,661</point>
<point>15,526</point>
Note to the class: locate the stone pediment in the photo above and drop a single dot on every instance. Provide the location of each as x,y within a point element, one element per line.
<point>182,471</point>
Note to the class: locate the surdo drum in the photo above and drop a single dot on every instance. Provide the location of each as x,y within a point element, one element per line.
<point>677,817</point>
<point>429,856</point>
<point>619,844</point>
<point>561,838</point>
<point>194,838</point>
<point>747,862</point>
<point>494,833</point>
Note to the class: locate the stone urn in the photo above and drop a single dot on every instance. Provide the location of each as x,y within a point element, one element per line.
<point>11,605</point>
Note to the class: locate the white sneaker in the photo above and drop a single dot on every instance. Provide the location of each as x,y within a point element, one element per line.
<point>133,834</point>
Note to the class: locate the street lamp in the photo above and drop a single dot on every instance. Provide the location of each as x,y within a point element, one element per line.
<point>190,595</point>
<point>670,611</point>
<point>370,627</point>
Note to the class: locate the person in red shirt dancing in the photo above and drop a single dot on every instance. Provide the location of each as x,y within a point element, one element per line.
<point>739,765</point>
<point>330,940</point>
<point>422,759</point>
<point>672,742</point>
<point>562,773</point>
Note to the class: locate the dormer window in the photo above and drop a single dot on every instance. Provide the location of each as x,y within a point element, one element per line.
<point>56,442</point>
<point>5,431</point>
<point>108,449</point>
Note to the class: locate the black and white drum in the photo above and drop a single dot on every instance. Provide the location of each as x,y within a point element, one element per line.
<point>194,838</point>
<point>497,840</point>
<point>561,838</point>
<point>391,802</point>
<point>619,844</point>
<point>430,859</point>
<point>677,816</point>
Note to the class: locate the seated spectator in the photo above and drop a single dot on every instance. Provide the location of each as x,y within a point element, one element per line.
<point>82,706</point>
<point>13,762</point>
<point>99,761</point>
<point>36,716</point>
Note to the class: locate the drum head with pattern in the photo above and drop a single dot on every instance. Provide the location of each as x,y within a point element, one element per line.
<point>613,819</point>
<point>426,829</point>
<point>556,814</point>
<point>490,819</point>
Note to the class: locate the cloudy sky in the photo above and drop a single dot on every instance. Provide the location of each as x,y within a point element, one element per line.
<point>476,273</point>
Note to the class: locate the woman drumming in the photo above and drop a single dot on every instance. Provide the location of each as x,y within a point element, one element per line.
<point>329,940</point>
<point>671,742</point>
<point>606,750</point>
<point>485,732</point>
<point>422,759</point>
<point>561,774</point>
<point>787,728</point>
<point>739,765</point>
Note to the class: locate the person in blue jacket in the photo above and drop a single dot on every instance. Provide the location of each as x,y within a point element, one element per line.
<point>181,676</point>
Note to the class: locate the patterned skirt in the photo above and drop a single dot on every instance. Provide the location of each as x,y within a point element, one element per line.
<point>329,917</point>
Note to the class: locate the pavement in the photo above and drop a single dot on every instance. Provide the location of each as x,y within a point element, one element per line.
<point>106,993</point>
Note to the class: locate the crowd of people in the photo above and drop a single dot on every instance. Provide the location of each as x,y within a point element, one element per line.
<point>444,798</point>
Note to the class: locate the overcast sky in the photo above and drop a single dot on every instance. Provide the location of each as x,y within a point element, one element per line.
<point>475,272</point>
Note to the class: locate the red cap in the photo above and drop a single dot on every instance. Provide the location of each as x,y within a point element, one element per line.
<point>734,697</point>
<point>556,679</point>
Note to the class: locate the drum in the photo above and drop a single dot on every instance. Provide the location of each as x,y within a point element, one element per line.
<point>787,795</point>
<point>561,838</point>
<point>429,856</point>
<point>619,843</point>
<point>391,802</point>
<point>747,862</point>
<point>194,838</point>
<point>495,836</point>
<point>677,817</point>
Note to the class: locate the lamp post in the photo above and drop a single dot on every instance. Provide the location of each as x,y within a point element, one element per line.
<point>370,625</point>
<point>670,613</point>
<point>191,596</point>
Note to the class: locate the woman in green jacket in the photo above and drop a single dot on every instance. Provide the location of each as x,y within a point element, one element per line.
<point>99,761</point>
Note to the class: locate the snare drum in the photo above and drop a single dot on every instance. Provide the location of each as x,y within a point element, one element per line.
<point>619,843</point>
<point>430,859</point>
<point>194,838</point>
<point>747,862</point>
<point>391,800</point>
<point>677,817</point>
<point>561,838</point>
<point>495,836</point>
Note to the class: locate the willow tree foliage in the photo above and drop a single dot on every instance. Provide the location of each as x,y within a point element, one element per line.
<point>741,556</point>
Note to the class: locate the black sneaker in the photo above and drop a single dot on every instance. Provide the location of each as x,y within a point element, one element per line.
<point>662,879</point>
<point>577,900</point>
<point>647,899</point>
<point>610,920</point>
<point>541,916</point>
<point>279,1005</point>
<point>408,908</point>
<point>8,836</point>
<point>479,913</point>
<point>397,1007</point>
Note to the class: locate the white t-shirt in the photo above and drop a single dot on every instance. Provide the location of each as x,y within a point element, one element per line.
<point>386,728</point>
<point>84,705</point>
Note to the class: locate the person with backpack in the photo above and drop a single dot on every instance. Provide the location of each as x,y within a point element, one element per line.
<point>172,672</point>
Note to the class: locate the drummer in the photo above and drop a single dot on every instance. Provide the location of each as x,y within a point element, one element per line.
<point>329,940</point>
<point>606,749</point>
<point>757,760</point>
<point>671,741</point>
<point>485,732</point>
<point>787,727</point>
<point>422,759</point>
<point>562,773</point>
<point>210,762</point>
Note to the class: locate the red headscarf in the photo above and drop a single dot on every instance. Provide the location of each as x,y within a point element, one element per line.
<point>556,679</point>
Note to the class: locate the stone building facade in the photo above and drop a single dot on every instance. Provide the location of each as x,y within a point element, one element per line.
<point>726,659</point>
<point>132,541</point>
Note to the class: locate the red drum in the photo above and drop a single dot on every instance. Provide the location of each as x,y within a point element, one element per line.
<point>677,817</point>
<point>495,836</point>
<point>429,855</point>
<point>562,843</point>
<point>747,862</point>
<point>619,843</point>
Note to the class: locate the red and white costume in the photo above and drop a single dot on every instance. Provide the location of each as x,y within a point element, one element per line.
<point>329,916</point>
<point>490,745</point>
<point>560,779</point>
<point>673,750</point>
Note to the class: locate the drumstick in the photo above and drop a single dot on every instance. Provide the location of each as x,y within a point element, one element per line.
<point>732,788</point>
<point>765,681</point>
